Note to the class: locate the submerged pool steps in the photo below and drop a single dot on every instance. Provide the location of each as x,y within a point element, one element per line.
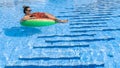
<point>92,60</point>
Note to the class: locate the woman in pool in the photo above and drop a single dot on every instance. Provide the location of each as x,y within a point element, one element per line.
<point>39,15</point>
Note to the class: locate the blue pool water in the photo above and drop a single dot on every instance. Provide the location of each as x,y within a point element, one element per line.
<point>89,40</point>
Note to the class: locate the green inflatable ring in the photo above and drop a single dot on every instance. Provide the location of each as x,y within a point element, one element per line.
<point>37,22</point>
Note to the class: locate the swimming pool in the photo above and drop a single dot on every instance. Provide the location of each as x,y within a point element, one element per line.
<point>89,40</point>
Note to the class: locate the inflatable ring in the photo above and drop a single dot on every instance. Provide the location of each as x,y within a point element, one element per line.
<point>37,22</point>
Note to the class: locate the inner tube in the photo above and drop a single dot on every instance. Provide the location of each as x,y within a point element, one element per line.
<point>38,22</point>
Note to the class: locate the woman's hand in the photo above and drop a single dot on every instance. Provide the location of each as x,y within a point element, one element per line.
<point>32,17</point>
<point>27,18</point>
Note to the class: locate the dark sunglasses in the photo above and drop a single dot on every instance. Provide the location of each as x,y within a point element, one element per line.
<point>29,10</point>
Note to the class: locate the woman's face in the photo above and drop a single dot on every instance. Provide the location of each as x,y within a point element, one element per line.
<point>28,11</point>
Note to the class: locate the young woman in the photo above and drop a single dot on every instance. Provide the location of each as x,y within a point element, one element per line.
<point>39,15</point>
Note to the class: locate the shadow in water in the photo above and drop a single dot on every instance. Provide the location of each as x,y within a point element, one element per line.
<point>21,31</point>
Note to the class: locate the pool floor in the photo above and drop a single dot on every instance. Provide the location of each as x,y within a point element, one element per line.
<point>90,39</point>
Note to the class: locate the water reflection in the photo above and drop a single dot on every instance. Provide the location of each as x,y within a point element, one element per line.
<point>6,3</point>
<point>98,7</point>
<point>35,2</point>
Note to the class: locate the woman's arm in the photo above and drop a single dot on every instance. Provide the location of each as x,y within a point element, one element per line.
<point>27,18</point>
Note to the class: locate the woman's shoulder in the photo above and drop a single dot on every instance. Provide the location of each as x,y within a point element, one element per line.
<point>27,15</point>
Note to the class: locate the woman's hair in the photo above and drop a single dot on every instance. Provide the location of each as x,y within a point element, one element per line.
<point>25,8</point>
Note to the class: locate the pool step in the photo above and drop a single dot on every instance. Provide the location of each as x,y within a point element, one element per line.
<point>90,19</point>
<point>91,30</point>
<point>58,46</point>
<point>100,23</point>
<point>80,40</point>
<point>51,36</point>
<point>57,66</point>
<point>97,20</point>
<point>49,58</point>
<point>74,27</point>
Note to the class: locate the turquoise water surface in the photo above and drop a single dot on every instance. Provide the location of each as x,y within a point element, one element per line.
<point>89,40</point>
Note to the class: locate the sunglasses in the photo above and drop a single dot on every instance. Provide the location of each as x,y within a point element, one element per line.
<point>29,10</point>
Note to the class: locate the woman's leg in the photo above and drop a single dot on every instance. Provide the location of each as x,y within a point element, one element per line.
<point>50,16</point>
<point>54,18</point>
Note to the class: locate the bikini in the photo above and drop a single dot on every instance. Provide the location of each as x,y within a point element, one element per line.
<point>38,15</point>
